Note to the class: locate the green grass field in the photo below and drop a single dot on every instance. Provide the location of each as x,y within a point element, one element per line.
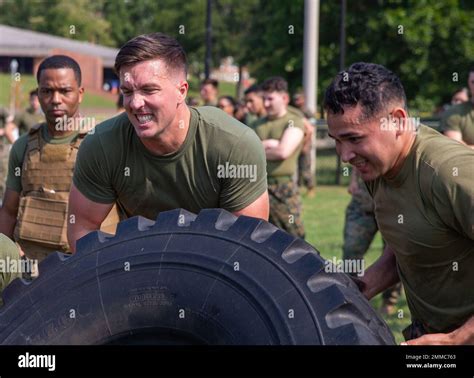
<point>323,218</point>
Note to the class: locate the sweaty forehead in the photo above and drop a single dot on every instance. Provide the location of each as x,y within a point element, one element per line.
<point>146,70</point>
<point>352,116</point>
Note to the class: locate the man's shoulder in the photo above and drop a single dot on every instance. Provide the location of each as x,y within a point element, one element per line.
<point>224,134</point>
<point>289,119</point>
<point>19,146</point>
<point>217,121</point>
<point>111,125</point>
<point>111,130</point>
<point>436,146</point>
<point>440,154</point>
<point>295,111</point>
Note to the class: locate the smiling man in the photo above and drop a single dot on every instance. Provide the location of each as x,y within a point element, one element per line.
<point>41,164</point>
<point>421,183</point>
<point>162,154</point>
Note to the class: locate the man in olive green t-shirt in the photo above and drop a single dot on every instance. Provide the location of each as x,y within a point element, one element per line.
<point>422,184</point>
<point>282,134</point>
<point>25,120</point>
<point>458,121</point>
<point>161,154</point>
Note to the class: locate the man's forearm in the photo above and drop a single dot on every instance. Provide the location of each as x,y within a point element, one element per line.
<point>464,335</point>
<point>7,223</point>
<point>75,232</point>
<point>380,275</point>
<point>274,153</point>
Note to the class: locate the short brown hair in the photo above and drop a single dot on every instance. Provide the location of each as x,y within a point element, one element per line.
<point>152,46</point>
<point>275,84</point>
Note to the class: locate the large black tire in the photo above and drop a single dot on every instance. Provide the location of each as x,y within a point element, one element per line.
<point>186,279</point>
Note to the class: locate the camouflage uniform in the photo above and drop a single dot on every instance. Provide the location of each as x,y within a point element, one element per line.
<point>4,153</point>
<point>359,231</point>
<point>306,169</point>
<point>307,164</point>
<point>285,207</point>
<point>285,200</point>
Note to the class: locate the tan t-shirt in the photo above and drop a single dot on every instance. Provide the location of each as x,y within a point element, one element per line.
<point>426,214</point>
<point>273,129</point>
<point>460,118</point>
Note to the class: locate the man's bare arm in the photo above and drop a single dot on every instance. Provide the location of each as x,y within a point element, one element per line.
<point>258,209</point>
<point>88,216</point>
<point>289,142</point>
<point>9,212</point>
<point>380,275</point>
<point>10,128</point>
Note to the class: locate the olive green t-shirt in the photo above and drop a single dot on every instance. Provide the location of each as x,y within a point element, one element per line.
<point>426,214</point>
<point>273,129</point>
<point>9,257</point>
<point>17,155</point>
<point>221,164</point>
<point>460,118</point>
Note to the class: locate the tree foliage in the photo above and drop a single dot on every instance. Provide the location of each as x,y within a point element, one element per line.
<point>428,44</point>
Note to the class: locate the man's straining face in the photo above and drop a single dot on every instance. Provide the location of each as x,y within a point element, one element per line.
<point>151,96</point>
<point>365,144</point>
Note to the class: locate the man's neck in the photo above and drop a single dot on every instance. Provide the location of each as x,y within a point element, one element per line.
<point>172,137</point>
<point>280,114</point>
<point>395,170</point>
<point>64,130</point>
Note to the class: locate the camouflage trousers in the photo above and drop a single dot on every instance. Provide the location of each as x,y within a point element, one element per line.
<point>4,153</point>
<point>285,208</point>
<point>359,231</point>
<point>307,166</point>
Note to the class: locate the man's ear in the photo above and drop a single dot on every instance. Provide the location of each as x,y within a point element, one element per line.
<point>402,122</point>
<point>81,94</point>
<point>183,87</point>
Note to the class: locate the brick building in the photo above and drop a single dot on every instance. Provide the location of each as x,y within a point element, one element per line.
<point>29,48</point>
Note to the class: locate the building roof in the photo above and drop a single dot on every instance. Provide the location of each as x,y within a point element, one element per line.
<point>27,43</point>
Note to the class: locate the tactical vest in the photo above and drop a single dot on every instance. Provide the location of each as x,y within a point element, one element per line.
<point>46,178</point>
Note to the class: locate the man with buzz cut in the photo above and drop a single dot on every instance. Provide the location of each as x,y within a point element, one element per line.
<point>281,132</point>
<point>421,183</point>
<point>161,154</point>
